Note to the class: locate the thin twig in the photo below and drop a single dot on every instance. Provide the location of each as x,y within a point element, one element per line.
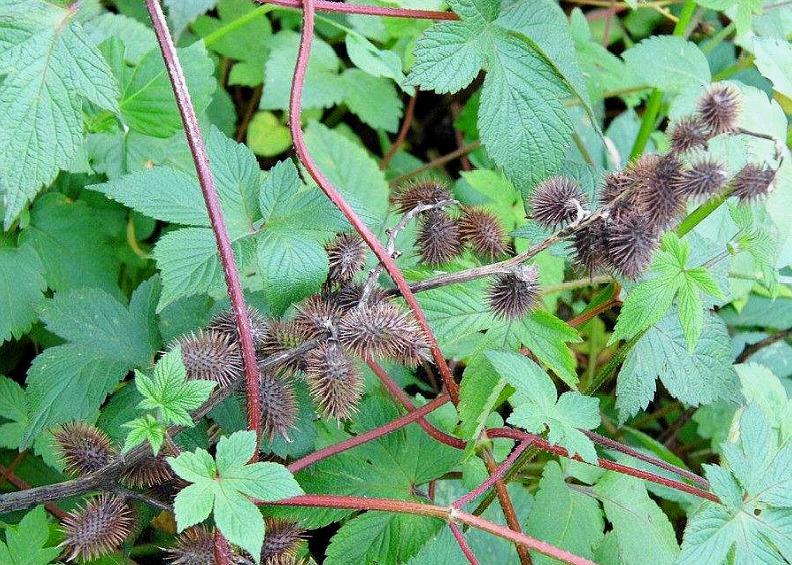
<point>761,344</point>
<point>248,116</point>
<point>331,6</point>
<point>402,135</point>
<point>439,162</point>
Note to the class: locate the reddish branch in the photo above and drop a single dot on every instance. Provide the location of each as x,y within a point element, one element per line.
<point>295,109</point>
<point>463,544</point>
<point>198,149</point>
<point>11,477</point>
<point>449,514</point>
<point>405,127</point>
<point>330,6</point>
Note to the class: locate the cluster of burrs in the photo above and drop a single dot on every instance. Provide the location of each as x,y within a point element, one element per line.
<point>650,195</point>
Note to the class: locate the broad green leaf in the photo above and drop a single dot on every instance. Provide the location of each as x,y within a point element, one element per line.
<point>700,376</point>
<point>247,42</point>
<point>138,38</point>
<point>773,56</point>
<point>479,391</point>
<point>14,409</point>
<point>223,486</point>
<point>73,246</point>
<point>183,12</point>
<point>641,526</point>
<point>267,136</point>
<point>145,428</point>
<point>49,67</point>
<point>22,288</point>
<point>669,63</point>
<point>26,542</point>
<point>374,61</point>
<point>538,408</point>
<point>147,102</point>
<point>457,311</point>
<point>169,391</point>
<point>374,100</point>
<point>564,517</point>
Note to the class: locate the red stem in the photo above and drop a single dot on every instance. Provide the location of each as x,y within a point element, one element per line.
<point>330,6</point>
<point>397,392</point>
<point>405,127</point>
<point>542,444</point>
<point>198,149</point>
<point>432,510</point>
<point>295,109</point>
<point>463,544</point>
<point>370,435</point>
<point>497,475</point>
<point>222,550</point>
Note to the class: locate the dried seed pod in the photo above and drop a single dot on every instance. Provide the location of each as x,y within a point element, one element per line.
<point>283,336</point>
<point>148,472</point>
<point>380,330</point>
<point>591,246</point>
<point>422,192</point>
<point>348,296</point>
<point>281,541</point>
<point>101,526</point>
<point>752,181</point>
<point>211,355</point>
<point>438,238</point>
<point>225,323</point>
<point>659,200</point>
<point>513,294</point>
<point>84,448</point>
<point>316,317</point>
<point>719,109</point>
<point>688,134</point>
<point>614,193</point>
<point>333,381</point>
<point>557,201</point>
<point>631,242</point>
<point>278,405</point>
<point>346,256</point>
<point>195,546</point>
<point>483,231</point>
<point>704,178</point>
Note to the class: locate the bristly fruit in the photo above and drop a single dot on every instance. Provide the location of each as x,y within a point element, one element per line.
<point>84,448</point>
<point>211,355</point>
<point>660,201</point>
<point>514,294</point>
<point>752,181</point>
<point>225,323</point>
<point>704,178</point>
<point>414,194</point>
<point>348,296</point>
<point>101,526</point>
<point>438,238</point>
<point>195,546</point>
<point>278,405</point>
<point>381,330</point>
<point>148,472</point>
<point>483,231</point>
<point>688,134</point>
<point>557,201</point>
<point>283,336</point>
<point>333,381</point>
<point>346,256</point>
<point>316,317</point>
<point>281,541</point>
<point>591,246</point>
<point>631,242</point>
<point>719,108</point>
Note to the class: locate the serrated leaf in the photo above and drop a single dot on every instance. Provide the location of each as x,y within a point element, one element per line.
<point>374,100</point>
<point>183,12</point>
<point>49,67</point>
<point>145,428</point>
<point>773,55</point>
<point>479,391</point>
<point>22,288</point>
<point>374,61</point>
<point>669,63</point>
<point>563,517</point>
<point>13,408</point>
<point>700,376</point>
<point>147,102</point>
<point>538,408</point>
<point>26,542</point>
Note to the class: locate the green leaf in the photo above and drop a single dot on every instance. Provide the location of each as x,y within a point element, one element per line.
<point>22,288</point>
<point>538,408</point>
<point>70,241</point>
<point>144,428</point>
<point>13,408</point>
<point>248,42</point>
<point>640,525</point>
<point>169,391</point>
<point>373,100</point>
<point>700,376</point>
<point>49,68</point>
<point>105,340</point>
<point>26,543</point>
<point>669,63</point>
<point>224,485</point>
<point>375,62</point>
<point>147,102</point>
<point>267,136</point>
<point>183,12</point>
<point>479,392</point>
<point>563,517</point>
<point>773,56</point>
